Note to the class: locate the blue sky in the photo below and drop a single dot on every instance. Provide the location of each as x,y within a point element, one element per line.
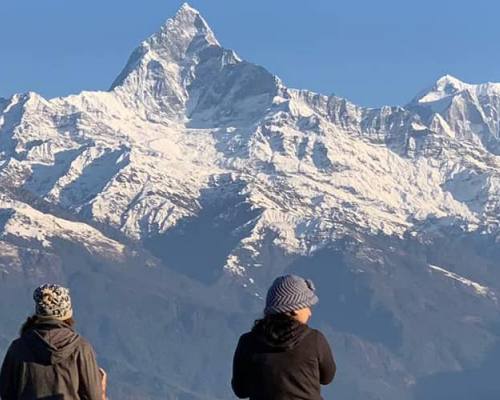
<point>372,52</point>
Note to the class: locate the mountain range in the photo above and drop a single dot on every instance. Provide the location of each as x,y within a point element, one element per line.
<point>169,203</point>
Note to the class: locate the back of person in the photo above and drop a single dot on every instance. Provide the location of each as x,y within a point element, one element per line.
<point>49,360</point>
<point>282,357</point>
<point>290,366</point>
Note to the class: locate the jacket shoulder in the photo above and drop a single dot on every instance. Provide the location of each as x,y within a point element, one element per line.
<point>246,338</point>
<point>319,338</point>
<point>16,343</point>
<point>17,346</point>
<point>84,344</point>
<point>317,334</point>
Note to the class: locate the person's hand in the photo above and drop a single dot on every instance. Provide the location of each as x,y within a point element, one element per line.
<point>104,382</point>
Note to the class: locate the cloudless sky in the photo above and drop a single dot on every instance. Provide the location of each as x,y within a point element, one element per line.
<point>373,52</point>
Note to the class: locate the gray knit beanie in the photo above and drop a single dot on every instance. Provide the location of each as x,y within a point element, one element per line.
<point>290,293</point>
<point>53,301</point>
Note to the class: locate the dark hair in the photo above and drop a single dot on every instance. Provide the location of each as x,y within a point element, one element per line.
<point>33,320</point>
<point>273,324</point>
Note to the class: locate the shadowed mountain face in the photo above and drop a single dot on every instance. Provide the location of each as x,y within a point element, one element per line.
<point>475,382</point>
<point>198,246</point>
<point>352,308</point>
<point>169,204</point>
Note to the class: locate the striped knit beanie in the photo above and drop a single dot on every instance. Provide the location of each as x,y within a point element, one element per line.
<point>53,301</point>
<point>290,293</point>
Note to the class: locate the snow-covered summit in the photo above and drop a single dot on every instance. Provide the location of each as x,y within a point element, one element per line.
<point>465,111</point>
<point>179,40</point>
<point>182,72</point>
<point>444,87</point>
<point>448,86</point>
<point>161,69</point>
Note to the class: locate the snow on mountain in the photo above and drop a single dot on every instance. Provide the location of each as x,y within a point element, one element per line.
<point>479,289</point>
<point>208,167</point>
<point>22,222</point>
<point>444,88</point>
<point>466,112</point>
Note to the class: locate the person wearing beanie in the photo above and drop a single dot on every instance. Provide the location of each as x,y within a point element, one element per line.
<point>50,360</point>
<point>282,357</point>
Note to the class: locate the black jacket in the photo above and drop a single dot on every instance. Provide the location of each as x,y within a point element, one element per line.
<point>284,360</point>
<point>50,362</point>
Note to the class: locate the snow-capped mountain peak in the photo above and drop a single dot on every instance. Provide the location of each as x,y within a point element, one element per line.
<point>471,111</point>
<point>444,87</point>
<point>187,33</point>
<point>163,71</point>
<point>182,73</point>
<point>450,82</point>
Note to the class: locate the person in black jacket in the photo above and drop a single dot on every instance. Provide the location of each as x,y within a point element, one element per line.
<point>281,357</point>
<point>50,360</point>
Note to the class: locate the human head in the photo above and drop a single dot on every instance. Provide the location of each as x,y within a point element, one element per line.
<point>293,295</point>
<point>52,301</point>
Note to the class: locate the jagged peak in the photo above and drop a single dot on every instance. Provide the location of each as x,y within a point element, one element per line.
<point>444,87</point>
<point>449,86</point>
<point>186,24</point>
<point>449,80</point>
<point>185,8</point>
<point>24,98</point>
<point>179,39</point>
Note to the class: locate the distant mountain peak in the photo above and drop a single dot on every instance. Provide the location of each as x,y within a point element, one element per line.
<point>448,84</point>
<point>182,72</point>
<point>179,40</point>
<point>186,8</point>
<point>187,24</point>
<point>444,87</point>
<point>450,80</point>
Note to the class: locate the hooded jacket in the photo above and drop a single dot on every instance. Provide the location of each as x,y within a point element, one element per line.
<point>50,362</point>
<point>282,360</point>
